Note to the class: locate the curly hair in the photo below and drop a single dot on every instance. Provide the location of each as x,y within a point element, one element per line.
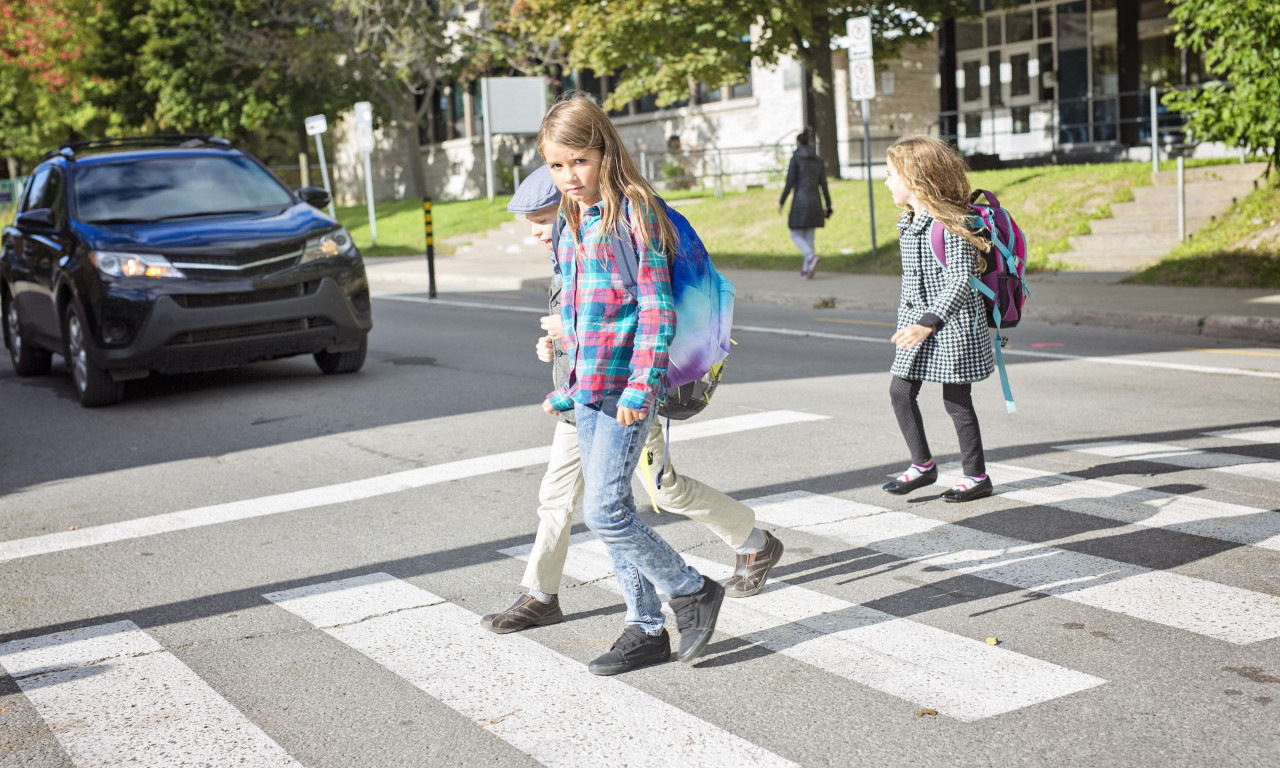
<point>935,174</point>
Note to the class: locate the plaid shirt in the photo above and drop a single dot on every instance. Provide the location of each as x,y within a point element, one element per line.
<point>613,342</point>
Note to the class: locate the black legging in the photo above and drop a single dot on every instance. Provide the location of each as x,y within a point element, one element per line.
<point>959,403</point>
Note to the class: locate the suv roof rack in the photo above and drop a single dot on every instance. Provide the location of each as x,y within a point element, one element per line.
<point>70,148</point>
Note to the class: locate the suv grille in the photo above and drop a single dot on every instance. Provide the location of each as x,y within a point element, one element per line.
<point>207,300</point>
<point>233,267</point>
<point>233,332</point>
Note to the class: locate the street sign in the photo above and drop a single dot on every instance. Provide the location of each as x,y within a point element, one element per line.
<point>859,32</point>
<point>364,126</point>
<point>316,125</point>
<point>862,80</point>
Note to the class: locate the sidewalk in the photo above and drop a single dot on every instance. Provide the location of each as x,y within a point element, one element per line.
<point>506,259</point>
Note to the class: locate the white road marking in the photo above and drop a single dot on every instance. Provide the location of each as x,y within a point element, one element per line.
<point>112,696</point>
<point>542,703</point>
<point>1134,505</point>
<point>1027,353</point>
<point>1195,605</point>
<point>1190,458</point>
<point>464,304</point>
<point>960,677</point>
<point>353,491</point>
<point>1265,435</point>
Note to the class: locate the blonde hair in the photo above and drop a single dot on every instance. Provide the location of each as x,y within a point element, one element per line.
<point>576,122</point>
<point>935,173</point>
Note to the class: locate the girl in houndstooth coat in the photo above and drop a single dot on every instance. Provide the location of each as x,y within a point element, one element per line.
<point>938,339</point>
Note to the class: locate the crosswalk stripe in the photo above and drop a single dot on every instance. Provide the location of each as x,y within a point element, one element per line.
<point>1134,505</point>
<point>1265,435</point>
<point>542,703</point>
<point>353,491</point>
<point>1175,455</point>
<point>960,677</point>
<point>112,696</point>
<point>1183,602</point>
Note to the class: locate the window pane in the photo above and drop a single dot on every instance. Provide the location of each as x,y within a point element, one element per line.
<point>35,190</point>
<point>170,187</point>
<point>993,30</point>
<point>1020,82</point>
<point>968,35</point>
<point>995,91</point>
<point>1021,119</point>
<point>1020,26</point>
<point>1045,55</point>
<point>1044,22</point>
<point>707,95</point>
<point>972,124</point>
<point>972,80</point>
<point>741,90</point>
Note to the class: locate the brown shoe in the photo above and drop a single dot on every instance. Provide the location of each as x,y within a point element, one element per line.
<point>524,612</point>
<point>751,570</point>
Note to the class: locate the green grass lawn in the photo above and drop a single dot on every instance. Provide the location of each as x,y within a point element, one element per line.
<point>402,226</point>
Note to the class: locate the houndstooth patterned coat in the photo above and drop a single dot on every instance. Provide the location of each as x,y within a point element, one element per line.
<point>956,352</point>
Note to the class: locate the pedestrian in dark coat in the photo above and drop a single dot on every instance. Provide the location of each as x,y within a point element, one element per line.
<point>941,336</point>
<point>805,175</point>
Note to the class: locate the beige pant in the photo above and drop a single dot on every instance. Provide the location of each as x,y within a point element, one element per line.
<point>561,491</point>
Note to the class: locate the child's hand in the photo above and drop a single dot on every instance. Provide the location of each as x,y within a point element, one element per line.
<point>627,417</point>
<point>546,408</point>
<point>910,336</point>
<point>553,325</point>
<point>544,350</point>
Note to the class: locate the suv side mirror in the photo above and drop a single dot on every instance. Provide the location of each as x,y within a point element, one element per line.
<point>36,219</point>
<point>316,197</point>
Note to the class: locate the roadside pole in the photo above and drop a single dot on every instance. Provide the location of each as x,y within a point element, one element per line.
<point>364,143</point>
<point>431,248</point>
<point>316,126</point>
<point>487,107</point>
<point>862,87</point>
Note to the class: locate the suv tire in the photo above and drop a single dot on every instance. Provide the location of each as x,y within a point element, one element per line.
<point>94,386</point>
<point>27,360</point>
<point>343,362</point>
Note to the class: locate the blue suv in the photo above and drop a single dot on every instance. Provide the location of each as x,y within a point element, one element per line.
<point>174,254</point>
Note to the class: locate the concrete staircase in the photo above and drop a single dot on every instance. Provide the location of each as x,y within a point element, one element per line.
<point>1141,232</point>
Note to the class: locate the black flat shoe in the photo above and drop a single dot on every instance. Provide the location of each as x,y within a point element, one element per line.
<point>899,487</point>
<point>978,491</point>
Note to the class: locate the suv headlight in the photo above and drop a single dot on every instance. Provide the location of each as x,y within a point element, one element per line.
<point>331,244</point>
<point>115,264</point>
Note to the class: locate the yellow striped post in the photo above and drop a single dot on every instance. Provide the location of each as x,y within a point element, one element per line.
<point>431,248</point>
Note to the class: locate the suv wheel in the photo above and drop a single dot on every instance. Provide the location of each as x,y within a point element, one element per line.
<point>27,360</point>
<point>94,385</point>
<point>343,362</point>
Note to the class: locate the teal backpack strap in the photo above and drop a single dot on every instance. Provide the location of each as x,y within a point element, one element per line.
<point>982,288</point>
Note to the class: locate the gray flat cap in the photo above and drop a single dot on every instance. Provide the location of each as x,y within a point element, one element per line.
<point>536,192</point>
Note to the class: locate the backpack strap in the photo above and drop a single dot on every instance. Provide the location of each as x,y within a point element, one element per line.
<point>624,252</point>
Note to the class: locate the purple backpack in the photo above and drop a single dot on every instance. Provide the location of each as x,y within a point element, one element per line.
<point>1001,284</point>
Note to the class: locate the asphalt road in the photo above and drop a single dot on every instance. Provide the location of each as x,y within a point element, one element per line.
<point>272,567</point>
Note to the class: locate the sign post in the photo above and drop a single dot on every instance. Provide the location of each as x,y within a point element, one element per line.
<point>316,125</point>
<point>364,143</point>
<point>862,87</point>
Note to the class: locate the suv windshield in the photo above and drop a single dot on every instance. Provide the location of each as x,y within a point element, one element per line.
<point>174,187</point>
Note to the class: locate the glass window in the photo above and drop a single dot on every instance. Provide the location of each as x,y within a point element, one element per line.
<point>707,95</point>
<point>1021,119</point>
<point>53,198</point>
<point>175,187</point>
<point>972,124</point>
<point>791,76</point>
<point>995,92</point>
<point>972,76</point>
<point>968,35</point>
<point>741,90</point>
<point>1020,76</point>
<point>1073,73</point>
<point>31,199</point>
<point>1044,22</point>
<point>1044,53</point>
<point>1106,70</point>
<point>994,37</point>
<point>1020,26</point>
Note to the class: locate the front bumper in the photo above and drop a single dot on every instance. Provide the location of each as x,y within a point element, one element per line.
<point>195,332</point>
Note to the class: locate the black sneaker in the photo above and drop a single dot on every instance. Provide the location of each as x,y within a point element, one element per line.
<point>633,650</point>
<point>696,618</point>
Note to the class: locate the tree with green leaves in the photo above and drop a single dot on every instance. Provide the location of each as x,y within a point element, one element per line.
<point>1239,41</point>
<point>659,46</point>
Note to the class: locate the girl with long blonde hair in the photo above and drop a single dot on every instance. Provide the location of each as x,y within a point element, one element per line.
<point>617,346</point>
<point>941,335</point>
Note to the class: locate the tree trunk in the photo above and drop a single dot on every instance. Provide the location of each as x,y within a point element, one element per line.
<point>13,167</point>
<point>416,172</point>
<point>824,94</point>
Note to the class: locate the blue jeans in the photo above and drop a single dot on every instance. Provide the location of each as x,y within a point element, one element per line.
<point>642,560</point>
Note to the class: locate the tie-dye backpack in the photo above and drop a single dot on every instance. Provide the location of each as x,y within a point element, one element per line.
<point>704,314</point>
